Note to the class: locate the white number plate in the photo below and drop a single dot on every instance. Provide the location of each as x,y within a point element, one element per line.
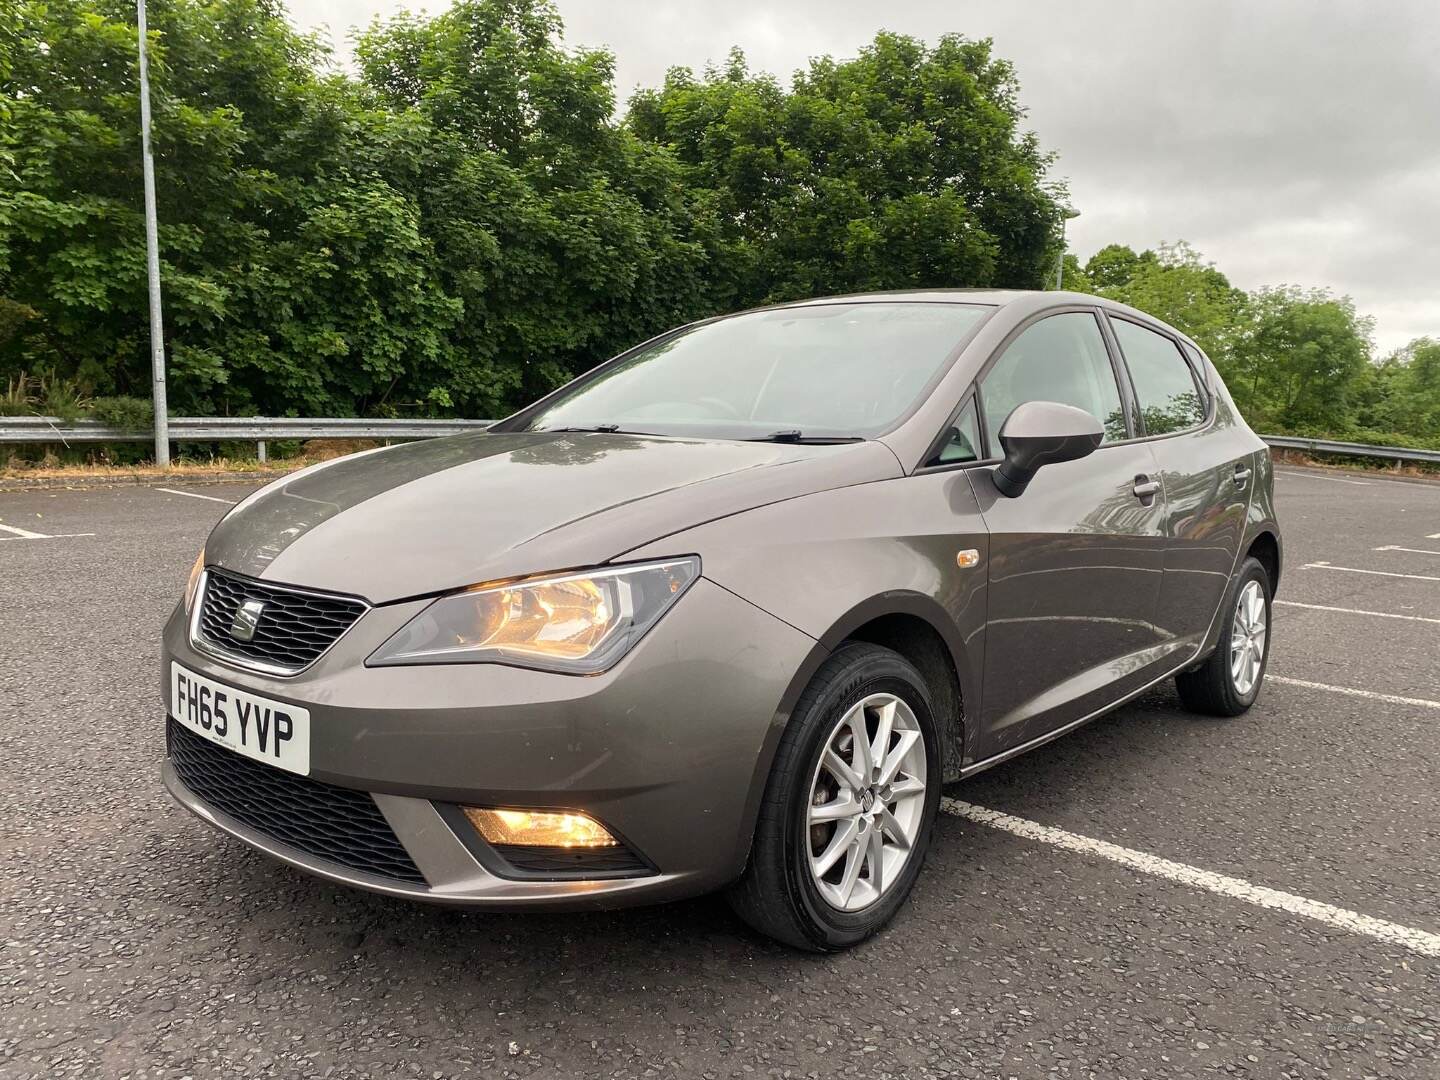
<point>275,732</point>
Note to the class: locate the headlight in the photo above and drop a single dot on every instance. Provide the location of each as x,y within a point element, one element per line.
<point>193,583</point>
<point>575,624</point>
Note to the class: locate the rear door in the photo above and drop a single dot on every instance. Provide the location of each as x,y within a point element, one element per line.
<point>1075,562</point>
<point>1204,461</point>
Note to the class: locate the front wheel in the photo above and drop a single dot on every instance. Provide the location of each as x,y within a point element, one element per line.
<point>1228,683</point>
<point>849,805</point>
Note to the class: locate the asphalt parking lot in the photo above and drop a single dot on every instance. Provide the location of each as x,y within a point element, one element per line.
<point>1110,921</point>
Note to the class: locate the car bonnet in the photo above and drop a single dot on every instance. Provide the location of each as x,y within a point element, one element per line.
<point>432,516</point>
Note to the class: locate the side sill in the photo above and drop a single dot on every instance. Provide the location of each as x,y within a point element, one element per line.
<point>1040,740</point>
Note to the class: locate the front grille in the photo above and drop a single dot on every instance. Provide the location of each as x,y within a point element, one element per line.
<point>338,824</point>
<point>295,627</point>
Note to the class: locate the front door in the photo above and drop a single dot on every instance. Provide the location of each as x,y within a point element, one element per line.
<point>1075,562</point>
<point>1205,462</point>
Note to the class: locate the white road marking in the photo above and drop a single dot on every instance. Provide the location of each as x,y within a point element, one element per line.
<point>1413,551</point>
<point>1420,941</point>
<point>1393,699</point>
<point>1357,570</point>
<point>24,534</point>
<point>1433,536</point>
<point>1373,479</point>
<point>1321,476</point>
<point>1354,611</point>
<point>192,495</point>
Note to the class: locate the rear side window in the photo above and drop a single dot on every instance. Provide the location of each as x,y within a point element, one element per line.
<point>1060,358</point>
<point>1164,384</point>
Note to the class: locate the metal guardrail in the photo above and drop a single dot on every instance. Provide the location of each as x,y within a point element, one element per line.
<point>48,429</point>
<point>1350,449</point>
<point>263,429</point>
<point>257,429</point>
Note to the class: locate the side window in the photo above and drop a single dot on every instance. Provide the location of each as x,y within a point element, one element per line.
<point>964,441</point>
<point>1169,398</point>
<point>1061,358</point>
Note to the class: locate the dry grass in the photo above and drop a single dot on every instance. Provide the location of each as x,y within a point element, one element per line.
<point>1399,468</point>
<point>52,472</point>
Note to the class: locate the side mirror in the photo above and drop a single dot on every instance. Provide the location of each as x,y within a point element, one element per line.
<point>1042,433</point>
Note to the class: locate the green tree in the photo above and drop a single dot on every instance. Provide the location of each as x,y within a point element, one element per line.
<point>295,275</point>
<point>1114,265</point>
<point>1402,391</point>
<point>1177,285</point>
<point>565,237</point>
<point>903,167</point>
<point>466,223</point>
<point>1299,360</point>
<point>1074,277</point>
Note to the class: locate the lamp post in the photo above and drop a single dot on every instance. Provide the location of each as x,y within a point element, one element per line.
<point>152,260</point>
<point>1059,259</point>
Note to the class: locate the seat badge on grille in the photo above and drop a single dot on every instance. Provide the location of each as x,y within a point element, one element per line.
<point>247,620</point>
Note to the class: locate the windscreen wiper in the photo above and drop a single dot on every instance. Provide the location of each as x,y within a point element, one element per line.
<point>793,436</point>
<point>604,429</point>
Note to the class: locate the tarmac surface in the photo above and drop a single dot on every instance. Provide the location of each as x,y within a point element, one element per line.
<point>137,942</point>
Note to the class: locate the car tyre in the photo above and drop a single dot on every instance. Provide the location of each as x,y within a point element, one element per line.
<point>1229,680</point>
<point>784,892</point>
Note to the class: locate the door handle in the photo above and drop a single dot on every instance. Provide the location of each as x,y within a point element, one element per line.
<point>1242,476</point>
<point>1145,488</point>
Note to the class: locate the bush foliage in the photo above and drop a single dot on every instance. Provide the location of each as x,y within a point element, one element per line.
<point>468,220</point>
<point>466,223</point>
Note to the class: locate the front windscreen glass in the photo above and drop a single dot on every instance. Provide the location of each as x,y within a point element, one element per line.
<point>816,372</point>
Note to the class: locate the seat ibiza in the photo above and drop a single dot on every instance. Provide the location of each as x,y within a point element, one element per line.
<point>727,611</point>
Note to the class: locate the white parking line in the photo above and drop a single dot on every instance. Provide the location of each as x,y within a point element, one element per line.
<point>1393,699</point>
<point>1413,551</point>
<point>1373,479</point>
<point>1420,941</point>
<point>26,534</point>
<point>1357,570</point>
<point>1319,476</point>
<point>1354,611</point>
<point>192,495</point>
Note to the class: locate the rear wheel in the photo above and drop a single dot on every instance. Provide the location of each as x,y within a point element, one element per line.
<point>849,805</point>
<point>1228,683</point>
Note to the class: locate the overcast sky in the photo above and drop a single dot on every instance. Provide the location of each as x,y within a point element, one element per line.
<point>1291,141</point>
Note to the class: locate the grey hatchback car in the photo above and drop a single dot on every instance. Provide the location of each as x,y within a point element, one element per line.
<point>726,611</point>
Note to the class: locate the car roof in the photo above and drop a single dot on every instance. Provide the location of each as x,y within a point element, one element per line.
<point>995,297</point>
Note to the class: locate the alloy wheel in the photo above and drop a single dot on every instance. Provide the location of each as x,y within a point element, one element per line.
<point>866,802</point>
<point>1248,629</point>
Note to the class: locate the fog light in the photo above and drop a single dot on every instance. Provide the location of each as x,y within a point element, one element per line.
<point>533,828</point>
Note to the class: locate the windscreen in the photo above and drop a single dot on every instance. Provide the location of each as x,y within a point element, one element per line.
<point>826,370</point>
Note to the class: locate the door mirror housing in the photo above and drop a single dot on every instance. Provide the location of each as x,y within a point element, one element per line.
<point>1042,433</point>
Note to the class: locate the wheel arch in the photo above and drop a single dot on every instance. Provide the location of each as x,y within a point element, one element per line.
<point>1264,547</point>
<point>919,629</point>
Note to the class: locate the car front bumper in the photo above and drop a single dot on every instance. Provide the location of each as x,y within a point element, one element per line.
<point>669,750</point>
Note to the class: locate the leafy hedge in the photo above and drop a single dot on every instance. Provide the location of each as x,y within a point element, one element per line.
<point>465,224</point>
